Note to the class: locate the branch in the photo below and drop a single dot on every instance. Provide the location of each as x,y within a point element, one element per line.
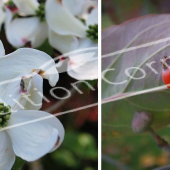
<point>113,162</point>
<point>160,142</point>
<point>36,165</point>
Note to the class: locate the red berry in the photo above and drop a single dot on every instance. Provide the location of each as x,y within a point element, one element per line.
<point>166,71</point>
<point>166,78</point>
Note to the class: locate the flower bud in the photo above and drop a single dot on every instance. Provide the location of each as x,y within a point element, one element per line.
<point>92,32</point>
<point>7,117</point>
<point>5,112</point>
<point>142,122</point>
<point>5,124</point>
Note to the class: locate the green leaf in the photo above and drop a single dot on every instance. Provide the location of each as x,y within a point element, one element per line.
<point>18,164</point>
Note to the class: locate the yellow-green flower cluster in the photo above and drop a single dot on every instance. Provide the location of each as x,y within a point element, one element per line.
<point>40,12</point>
<point>5,112</point>
<point>92,32</point>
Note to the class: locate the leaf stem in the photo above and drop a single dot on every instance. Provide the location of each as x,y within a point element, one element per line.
<point>160,142</point>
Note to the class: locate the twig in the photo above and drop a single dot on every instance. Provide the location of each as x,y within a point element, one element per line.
<point>163,168</point>
<point>36,165</point>
<point>160,142</point>
<point>115,163</point>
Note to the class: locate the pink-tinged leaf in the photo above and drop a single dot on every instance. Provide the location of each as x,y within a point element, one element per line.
<point>132,54</point>
<point>136,43</point>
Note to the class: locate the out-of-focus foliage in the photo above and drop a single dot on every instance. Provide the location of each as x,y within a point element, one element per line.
<point>136,152</point>
<point>18,163</point>
<point>118,11</point>
<point>78,149</point>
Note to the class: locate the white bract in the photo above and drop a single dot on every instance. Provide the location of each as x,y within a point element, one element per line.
<point>27,7</point>
<point>62,21</point>
<point>26,68</point>
<point>24,92</point>
<point>27,134</point>
<point>84,66</point>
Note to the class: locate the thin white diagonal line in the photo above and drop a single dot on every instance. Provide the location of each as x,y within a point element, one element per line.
<point>49,116</point>
<point>126,95</point>
<point>136,47</point>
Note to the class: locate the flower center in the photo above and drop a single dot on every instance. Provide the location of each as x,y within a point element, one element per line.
<point>5,112</point>
<point>92,32</point>
<point>40,12</point>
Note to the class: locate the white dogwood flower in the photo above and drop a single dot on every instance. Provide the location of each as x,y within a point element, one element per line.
<point>27,134</point>
<point>25,23</point>
<point>25,31</point>
<point>26,68</point>
<point>68,23</point>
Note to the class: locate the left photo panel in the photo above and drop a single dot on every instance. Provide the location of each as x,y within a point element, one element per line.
<point>48,84</point>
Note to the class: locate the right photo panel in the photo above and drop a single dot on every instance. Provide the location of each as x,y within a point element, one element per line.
<point>136,85</point>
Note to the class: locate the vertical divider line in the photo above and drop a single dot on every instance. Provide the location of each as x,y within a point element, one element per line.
<point>99,85</point>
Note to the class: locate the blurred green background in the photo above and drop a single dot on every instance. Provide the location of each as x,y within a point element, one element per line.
<point>138,152</point>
